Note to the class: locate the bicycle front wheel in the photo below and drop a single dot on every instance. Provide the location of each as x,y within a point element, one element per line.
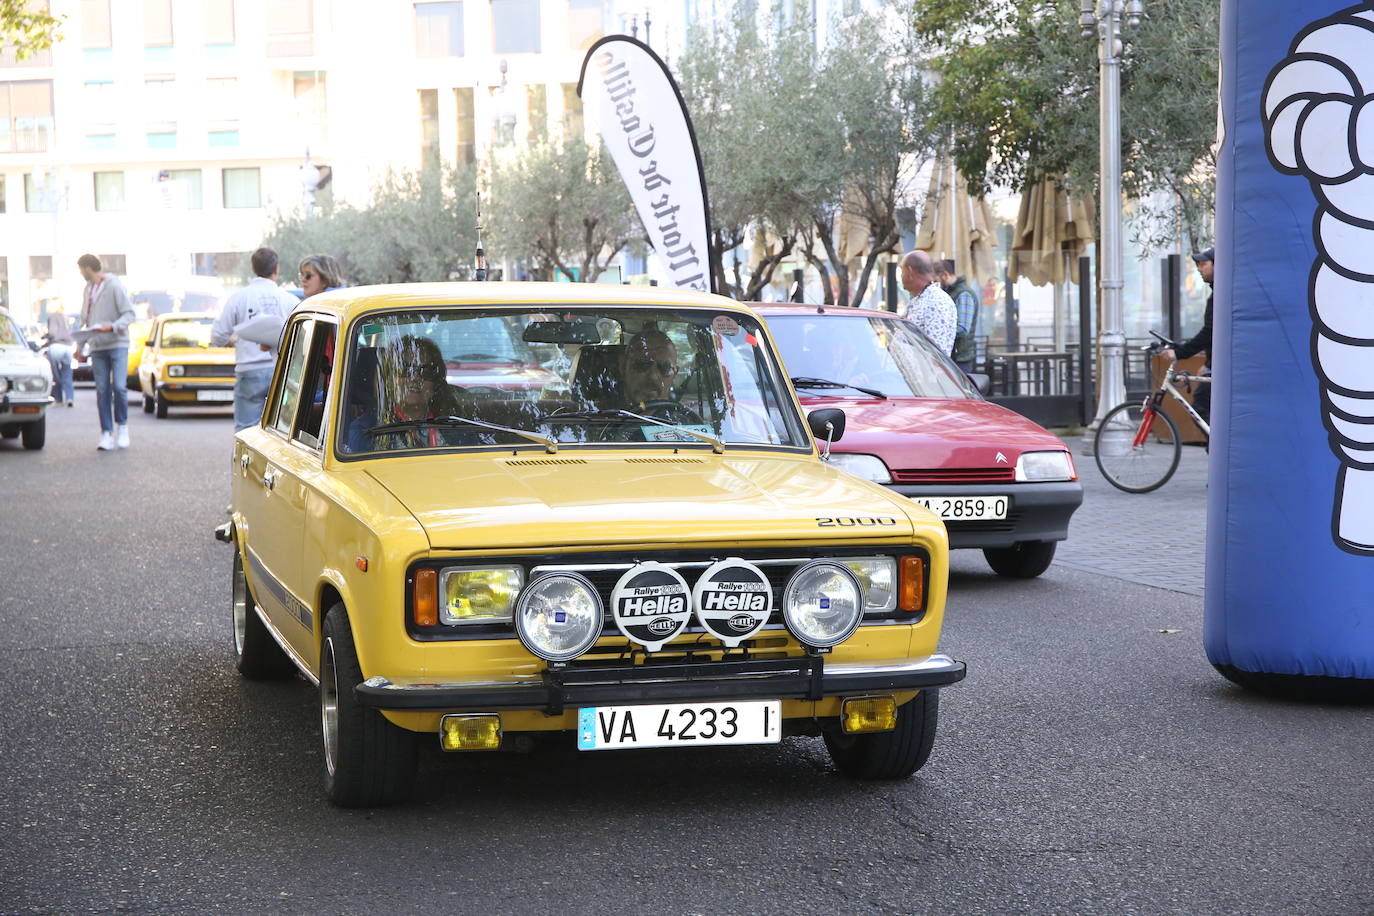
<point>1137,448</point>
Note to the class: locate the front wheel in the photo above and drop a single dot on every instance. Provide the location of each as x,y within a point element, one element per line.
<point>160,405</point>
<point>1137,447</point>
<point>35,434</point>
<point>1022,560</point>
<point>147,402</point>
<point>890,755</point>
<point>367,760</point>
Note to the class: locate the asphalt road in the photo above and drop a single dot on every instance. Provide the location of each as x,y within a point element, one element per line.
<point>1092,761</point>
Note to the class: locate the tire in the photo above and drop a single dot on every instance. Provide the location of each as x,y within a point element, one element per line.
<point>256,653</point>
<point>890,755</point>
<point>367,760</point>
<point>1022,560</point>
<point>147,403</point>
<point>35,433</point>
<point>1137,469</point>
<point>160,406</point>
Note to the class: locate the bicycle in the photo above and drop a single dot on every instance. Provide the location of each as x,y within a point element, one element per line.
<point>1134,451</point>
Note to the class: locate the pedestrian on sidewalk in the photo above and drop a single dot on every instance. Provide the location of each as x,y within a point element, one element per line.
<point>1201,342</point>
<point>61,346</point>
<point>930,308</point>
<point>106,313</point>
<point>253,362</point>
<point>966,307</point>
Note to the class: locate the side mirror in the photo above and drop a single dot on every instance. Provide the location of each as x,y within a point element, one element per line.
<point>33,345</point>
<point>827,425</point>
<point>981,380</point>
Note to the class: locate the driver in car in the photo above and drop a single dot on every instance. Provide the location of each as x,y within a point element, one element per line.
<point>648,368</point>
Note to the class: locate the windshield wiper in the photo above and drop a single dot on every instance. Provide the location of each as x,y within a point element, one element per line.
<point>806,381</point>
<point>616,413</point>
<point>400,425</point>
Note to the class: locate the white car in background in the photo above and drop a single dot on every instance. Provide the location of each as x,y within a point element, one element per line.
<point>25,386</point>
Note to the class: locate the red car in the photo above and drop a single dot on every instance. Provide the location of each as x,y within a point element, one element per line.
<point>917,424</point>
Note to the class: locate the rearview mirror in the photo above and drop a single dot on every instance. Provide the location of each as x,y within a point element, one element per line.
<point>561,332</point>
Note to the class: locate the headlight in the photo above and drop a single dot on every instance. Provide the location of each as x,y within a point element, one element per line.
<point>473,594</point>
<point>869,467</point>
<point>878,578</point>
<point>31,384</point>
<point>558,616</point>
<point>176,371</point>
<point>823,603</point>
<point>1055,465</point>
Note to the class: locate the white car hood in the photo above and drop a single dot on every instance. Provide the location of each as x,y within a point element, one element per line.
<point>23,361</point>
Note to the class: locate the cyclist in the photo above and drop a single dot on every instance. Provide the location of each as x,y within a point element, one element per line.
<point>1201,342</point>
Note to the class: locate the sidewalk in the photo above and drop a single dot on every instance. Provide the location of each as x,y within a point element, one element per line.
<point>1155,539</point>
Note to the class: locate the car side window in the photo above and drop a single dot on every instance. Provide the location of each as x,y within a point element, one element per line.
<point>319,369</point>
<point>288,394</point>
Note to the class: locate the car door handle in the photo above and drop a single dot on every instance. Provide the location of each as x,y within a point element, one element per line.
<point>269,478</point>
<point>243,461</point>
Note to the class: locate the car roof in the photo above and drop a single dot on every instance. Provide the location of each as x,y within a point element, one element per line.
<point>349,302</point>
<point>802,308</point>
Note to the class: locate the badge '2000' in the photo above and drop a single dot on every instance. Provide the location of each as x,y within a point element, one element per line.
<point>651,604</point>
<point>734,599</point>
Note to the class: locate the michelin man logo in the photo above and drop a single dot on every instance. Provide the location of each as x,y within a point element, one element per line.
<point>1319,123</point>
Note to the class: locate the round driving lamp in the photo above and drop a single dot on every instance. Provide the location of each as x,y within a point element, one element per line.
<point>558,616</point>
<point>823,603</point>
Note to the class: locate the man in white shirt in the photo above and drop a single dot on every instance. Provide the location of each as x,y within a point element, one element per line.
<point>931,309</point>
<point>253,363</point>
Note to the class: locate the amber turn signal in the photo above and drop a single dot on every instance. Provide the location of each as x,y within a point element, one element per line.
<point>470,733</point>
<point>426,601</point>
<point>868,714</point>
<point>911,582</point>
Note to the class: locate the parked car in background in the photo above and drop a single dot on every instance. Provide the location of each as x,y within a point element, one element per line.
<point>179,368</point>
<point>25,385</point>
<point>918,425</point>
<point>605,556</point>
<point>138,339</point>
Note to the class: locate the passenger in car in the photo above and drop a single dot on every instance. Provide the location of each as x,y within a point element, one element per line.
<point>411,385</point>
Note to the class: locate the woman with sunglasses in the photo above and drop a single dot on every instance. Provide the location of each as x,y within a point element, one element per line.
<point>319,272</point>
<point>412,387</point>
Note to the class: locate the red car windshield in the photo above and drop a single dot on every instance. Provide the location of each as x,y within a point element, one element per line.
<point>886,354</point>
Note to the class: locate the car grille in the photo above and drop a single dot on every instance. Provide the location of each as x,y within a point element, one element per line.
<point>955,475</point>
<point>209,371</point>
<point>990,526</point>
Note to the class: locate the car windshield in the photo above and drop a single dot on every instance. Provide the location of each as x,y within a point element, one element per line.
<point>582,376</point>
<point>187,332</point>
<point>888,355</point>
<point>10,336</point>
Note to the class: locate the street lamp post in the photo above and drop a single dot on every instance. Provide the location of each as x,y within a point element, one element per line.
<point>1102,19</point>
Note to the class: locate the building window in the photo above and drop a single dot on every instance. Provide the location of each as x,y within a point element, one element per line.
<point>95,24</point>
<point>109,191</point>
<point>572,113</point>
<point>179,189</point>
<point>160,105</point>
<point>515,26</point>
<point>26,116</point>
<point>242,188</point>
<point>537,110</point>
<point>467,131</point>
<point>291,29</point>
<point>40,193</point>
<point>222,104</point>
<point>439,30</point>
<point>97,98</point>
<point>157,23</point>
<point>429,128</point>
<point>311,109</point>
<point>219,21</point>
<point>584,23</point>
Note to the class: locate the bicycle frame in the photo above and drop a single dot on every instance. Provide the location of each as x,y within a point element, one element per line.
<point>1156,400</point>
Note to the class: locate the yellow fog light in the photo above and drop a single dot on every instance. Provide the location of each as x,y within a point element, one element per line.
<point>470,733</point>
<point>868,714</point>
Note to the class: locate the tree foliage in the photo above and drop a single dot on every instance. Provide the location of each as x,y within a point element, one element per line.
<point>25,29</point>
<point>1017,92</point>
<point>561,205</point>
<point>417,226</point>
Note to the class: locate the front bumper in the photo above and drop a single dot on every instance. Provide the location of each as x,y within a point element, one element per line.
<point>804,678</point>
<point>22,409</point>
<point>179,392</point>
<point>1039,511</point>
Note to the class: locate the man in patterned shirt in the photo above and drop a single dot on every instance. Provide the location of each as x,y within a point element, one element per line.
<point>930,309</point>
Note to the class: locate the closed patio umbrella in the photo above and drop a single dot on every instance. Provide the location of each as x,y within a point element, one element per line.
<point>1052,229</point>
<point>955,224</point>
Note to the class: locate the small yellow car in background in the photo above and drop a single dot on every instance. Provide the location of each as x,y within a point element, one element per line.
<point>636,546</point>
<point>179,368</point>
<point>138,341</point>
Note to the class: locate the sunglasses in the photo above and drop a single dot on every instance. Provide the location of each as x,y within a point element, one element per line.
<point>665,367</point>
<point>307,275</point>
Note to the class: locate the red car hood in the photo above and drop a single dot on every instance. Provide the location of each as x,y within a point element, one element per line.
<point>936,432</point>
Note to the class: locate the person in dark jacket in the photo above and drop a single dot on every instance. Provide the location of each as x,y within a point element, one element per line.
<point>1201,342</point>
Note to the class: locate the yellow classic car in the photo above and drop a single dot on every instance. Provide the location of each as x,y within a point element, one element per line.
<point>138,342</point>
<point>179,368</point>
<point>637,544</point>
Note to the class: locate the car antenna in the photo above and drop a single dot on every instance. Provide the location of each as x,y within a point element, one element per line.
<point>481,271</point>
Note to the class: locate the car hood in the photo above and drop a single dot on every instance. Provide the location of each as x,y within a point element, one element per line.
<point>21,360</point>
<point>533,500</point>
<point>937,432</point>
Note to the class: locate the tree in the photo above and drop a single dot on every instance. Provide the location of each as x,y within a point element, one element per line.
<point>25,29</point>
<point>417,226</point>
<point>563,206</point>
<point>1018,93</point>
